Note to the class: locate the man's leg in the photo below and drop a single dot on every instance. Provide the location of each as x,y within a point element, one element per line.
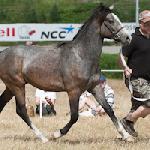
<point>142,111</point>
<point>141,89</point>
<point>138,110</point>
<point>128,122</point>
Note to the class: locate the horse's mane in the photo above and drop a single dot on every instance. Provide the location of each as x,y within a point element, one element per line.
<point>95,13</point>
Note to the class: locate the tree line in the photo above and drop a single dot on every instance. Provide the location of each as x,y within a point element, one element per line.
<point>62,11</point>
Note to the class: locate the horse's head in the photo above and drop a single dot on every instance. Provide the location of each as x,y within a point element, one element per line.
<point>112,28</point>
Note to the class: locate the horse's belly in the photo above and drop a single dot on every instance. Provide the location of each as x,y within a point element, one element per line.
<point>44,79</point>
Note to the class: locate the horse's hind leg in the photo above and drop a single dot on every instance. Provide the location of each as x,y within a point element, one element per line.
<point>98,93</point>
<point>74,104</point>
<point>4,98</point>
<point>22,111</point>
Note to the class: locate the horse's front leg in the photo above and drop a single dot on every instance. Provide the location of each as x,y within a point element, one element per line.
<point>74,104</point>
<point>98,93</point>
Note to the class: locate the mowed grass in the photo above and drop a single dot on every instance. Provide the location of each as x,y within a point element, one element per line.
<point>96,133</point>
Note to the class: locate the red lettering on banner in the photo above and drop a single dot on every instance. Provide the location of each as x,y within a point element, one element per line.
<point>7,32</point>
<point>13,31</point>
<point>2,32</point>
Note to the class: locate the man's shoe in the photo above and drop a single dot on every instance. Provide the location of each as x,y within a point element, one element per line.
<point>129,127</point>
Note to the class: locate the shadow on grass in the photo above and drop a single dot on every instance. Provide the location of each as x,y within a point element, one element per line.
<point>95,140</point>
<point>98,140</point>
<point>19,138</point>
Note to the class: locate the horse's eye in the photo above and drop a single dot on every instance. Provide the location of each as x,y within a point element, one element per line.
<point>111,21</point>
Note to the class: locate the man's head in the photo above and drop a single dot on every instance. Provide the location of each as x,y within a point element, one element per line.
<point>144,20</point>
<point>144,16</point>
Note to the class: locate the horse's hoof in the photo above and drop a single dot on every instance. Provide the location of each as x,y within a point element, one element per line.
<point>57,134</point>
<point>119,136</point>
<point>130,139</point>
<point>44,140</point>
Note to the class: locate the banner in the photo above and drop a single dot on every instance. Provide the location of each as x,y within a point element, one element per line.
<point>38,32</point>
<point>43,32</point>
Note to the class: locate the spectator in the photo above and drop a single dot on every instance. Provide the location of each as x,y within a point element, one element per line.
<point>93,108</point>
<point>137,72</point>
<point>48,101</point>
<point>28,43</point>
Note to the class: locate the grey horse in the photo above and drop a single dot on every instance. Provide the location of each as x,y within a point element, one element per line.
<point>72,67</point>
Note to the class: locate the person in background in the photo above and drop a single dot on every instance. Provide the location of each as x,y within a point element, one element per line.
<point>137,72</point>
<point>28,43</point>
<point>92,107</point>
<point>48,101</point>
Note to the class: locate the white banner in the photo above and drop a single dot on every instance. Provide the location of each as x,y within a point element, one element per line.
<point>43,32</point>
<point>38,32</point>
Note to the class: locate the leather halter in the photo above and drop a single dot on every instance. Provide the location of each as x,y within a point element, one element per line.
<point>114,34</point>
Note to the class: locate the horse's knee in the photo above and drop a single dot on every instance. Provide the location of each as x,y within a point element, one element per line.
<point>18,111</point>
<point>74,117</point>
<point>22,112</point>
<point>21,109</point>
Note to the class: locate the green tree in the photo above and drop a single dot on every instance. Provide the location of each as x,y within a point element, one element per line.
<point>55,14</point>
<point>29,12</point>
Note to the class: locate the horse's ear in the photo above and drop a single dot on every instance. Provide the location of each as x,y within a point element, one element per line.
<point>111,7</point>
<point>101,5</point>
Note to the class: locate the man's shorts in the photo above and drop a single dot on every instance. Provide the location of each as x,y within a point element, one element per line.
<point>141,89</point>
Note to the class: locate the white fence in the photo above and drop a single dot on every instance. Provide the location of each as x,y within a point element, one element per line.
<point>113,70</point>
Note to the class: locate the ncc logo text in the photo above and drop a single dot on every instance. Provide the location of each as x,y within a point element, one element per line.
<point>61,33</point>
<point>53,35</point>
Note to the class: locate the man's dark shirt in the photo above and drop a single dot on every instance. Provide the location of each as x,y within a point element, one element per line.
<point>138,54</point>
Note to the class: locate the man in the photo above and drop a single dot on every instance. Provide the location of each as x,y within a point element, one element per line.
<point>48,101</point>
<point>137,72</point>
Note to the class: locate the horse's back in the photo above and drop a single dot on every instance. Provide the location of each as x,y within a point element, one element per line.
<point>37,65</point>
<point>44,68</point>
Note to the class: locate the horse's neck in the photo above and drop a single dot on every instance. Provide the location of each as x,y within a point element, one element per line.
<point>90,41</point>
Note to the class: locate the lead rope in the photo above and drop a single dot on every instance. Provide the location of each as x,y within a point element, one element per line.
<point>130,86</point>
